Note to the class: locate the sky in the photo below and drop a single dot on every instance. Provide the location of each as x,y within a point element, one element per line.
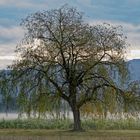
<point>116,12</point>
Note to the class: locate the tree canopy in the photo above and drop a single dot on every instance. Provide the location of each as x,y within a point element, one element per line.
<point>62,56</point>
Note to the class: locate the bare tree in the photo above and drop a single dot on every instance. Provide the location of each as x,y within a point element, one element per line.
<point>62,56</point>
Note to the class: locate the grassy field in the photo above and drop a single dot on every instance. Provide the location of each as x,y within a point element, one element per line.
<point>34,129</point>
<point>21,134</point>
<point>98,124</point>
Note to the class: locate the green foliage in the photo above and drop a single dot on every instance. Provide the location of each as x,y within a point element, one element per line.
<point>96,124</point>
<point>35,124</point>
<point>122,124</point>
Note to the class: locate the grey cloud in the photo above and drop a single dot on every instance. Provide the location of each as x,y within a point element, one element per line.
<point>9,38</point>
<point>123,10</point>
<point>7,49</point>
<point>132,31</point>
<point>22,4</point>
<point>4,63</point>
<point>13,33</point>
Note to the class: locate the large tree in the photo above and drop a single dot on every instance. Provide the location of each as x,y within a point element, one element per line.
<point>62,56</point>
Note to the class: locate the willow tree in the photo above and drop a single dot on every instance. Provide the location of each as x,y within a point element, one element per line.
<point>63,56</point>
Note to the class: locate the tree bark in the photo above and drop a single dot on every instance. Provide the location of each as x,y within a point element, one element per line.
<point>76,117</point>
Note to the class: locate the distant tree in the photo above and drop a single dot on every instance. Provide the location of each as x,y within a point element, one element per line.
<point>7,101</point>
<point>62,56</point>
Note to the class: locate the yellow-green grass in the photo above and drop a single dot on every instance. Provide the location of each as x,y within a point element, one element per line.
<point>22,134</point>
<point>43,132</point>
<point>97,124</point>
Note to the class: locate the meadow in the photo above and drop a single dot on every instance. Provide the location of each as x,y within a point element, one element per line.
<point>22,134</point>
<point>67,124</point>
<point>56,129</point>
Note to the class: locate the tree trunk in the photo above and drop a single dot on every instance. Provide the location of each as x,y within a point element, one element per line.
<point>76,117</point>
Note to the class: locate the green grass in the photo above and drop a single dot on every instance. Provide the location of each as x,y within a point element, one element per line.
<point>97,124</point>
<point>99,129</point>
<point>43,132</point>
<point>122,124</point>
<point>35,124</point>
<point>39,134</point>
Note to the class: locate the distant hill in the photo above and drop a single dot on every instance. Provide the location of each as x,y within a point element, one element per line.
<point>134,68</point>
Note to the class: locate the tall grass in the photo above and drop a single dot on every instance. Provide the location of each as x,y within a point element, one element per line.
<point>35,124</point>
<point>96,124</point>
<point>122,124</point>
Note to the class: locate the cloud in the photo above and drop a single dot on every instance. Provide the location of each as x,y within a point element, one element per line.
<point>14,3</point>
<point>131,31</point>
<point>123,10</point>
<point>7,49</point>
<point>9,38</point>
<point>7,54</point>
<point>14,33</point>
<point>85,2</point>
<point>7,57</point>
<point>134,54</point>
<point>4,63</point>
<point>125,13</point>
<point>22,4</point>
